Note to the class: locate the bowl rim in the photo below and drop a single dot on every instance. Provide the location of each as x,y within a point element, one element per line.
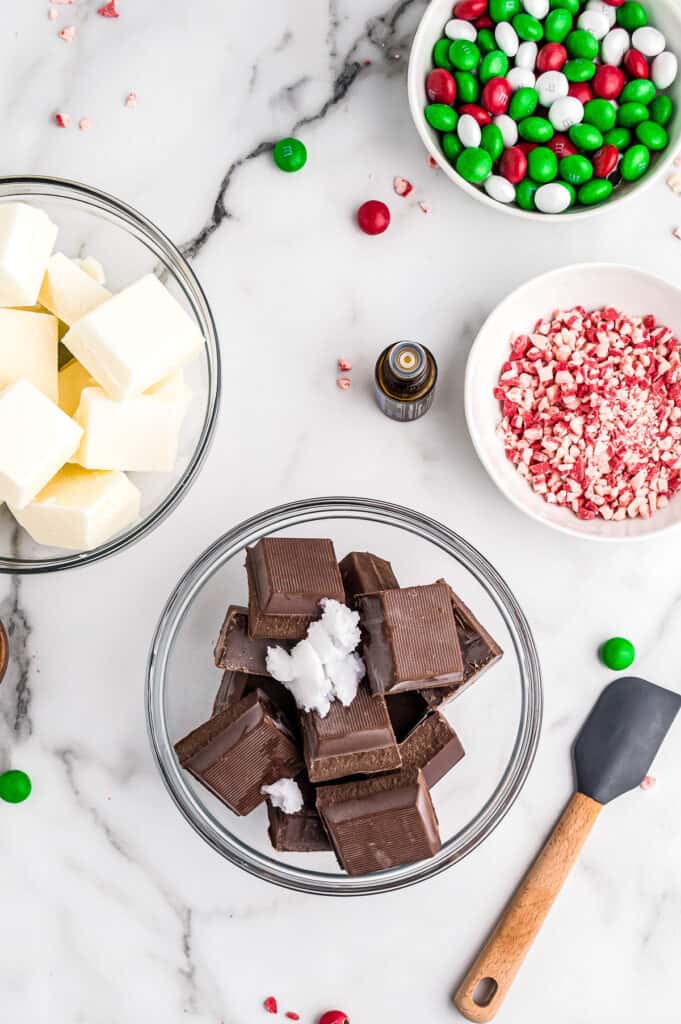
<point>526,740</point>
<point>35,186</point>
<point>470,404</point>
<point>415,84</point>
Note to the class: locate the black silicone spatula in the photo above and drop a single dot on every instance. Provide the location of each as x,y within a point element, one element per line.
<point>613,754</point>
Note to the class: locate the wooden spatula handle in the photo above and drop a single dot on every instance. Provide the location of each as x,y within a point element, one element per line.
<point>509,943</point>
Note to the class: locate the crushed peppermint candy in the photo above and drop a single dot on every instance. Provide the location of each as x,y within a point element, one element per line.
<point>674,183</point>
<point>131,99</point>
<point>109,10</point>
<point>271,1005</point>
<point>402,187</point>
<point>52,13</point>
<point>677,233</point>
<point>85,124</point>
<point>425,207</point>
<point>432,162</point>
<point>344,365</point>
<point>68,34</point>
<point>591,412</point>
<point>649,782</point>
<point>344,383</point>
<point>63,120</point>
<point>291,1015</point>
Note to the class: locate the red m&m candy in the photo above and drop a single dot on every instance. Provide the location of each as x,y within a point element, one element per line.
<point>552,57</point>
<point>480,115</point>
<point>561,146</point>
<point>496,95</point>
<point>581,91</point>
<point>635,64</point>
<point>615,3</point>
<point>605,161</point>
<point>373,217</point>
<point>469,10</point>
<point>608,82</point>
<point>513,164</point>
<point>441,86</point>
<point>484,22</point>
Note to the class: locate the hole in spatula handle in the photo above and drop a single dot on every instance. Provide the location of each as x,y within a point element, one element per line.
<point>485,991</point>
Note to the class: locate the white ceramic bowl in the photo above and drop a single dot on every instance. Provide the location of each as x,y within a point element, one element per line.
<point>664,14</point>
<point>592,285</point>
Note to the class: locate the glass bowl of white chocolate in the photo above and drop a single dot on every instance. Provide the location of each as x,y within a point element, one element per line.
<point>109,375</point>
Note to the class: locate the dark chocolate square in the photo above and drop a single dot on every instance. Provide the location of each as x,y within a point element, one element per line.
<point>235,649</point>
<point>302,832</point>
<point>287,578</point>
<point>411,641</point>
<point>381,822</point>
<point>353,740</point>
<point>365,573</point>
<point>237,685</point>
<point>239,750</point>
<point>432,746</point>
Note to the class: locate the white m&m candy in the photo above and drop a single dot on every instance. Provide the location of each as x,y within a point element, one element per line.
<point>614,46</point>
<point>469,131</point>
<point>537,8</point>
<point>649,41</point>
<point>595,23</point>
<point>520,78</point>
<point>506,38</point>
<point>508,129</point>
<point>551,86</point>
<point>607,10</point>
<point>526,57</point>
<point>457,28</point>
<point>565,113</point>
<point>552,198</point>
<point>664,70</point>
<point>500,189</point>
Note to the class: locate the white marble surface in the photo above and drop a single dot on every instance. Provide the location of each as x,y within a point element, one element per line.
<point>112,909</point>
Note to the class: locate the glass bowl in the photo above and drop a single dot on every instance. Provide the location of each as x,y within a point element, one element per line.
<point>128,245</point>
<point>498,718</point>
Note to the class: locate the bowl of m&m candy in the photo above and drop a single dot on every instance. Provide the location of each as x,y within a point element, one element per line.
<point>548,108</point>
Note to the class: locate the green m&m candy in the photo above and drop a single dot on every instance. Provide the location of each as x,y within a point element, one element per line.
<point>492,141</point>
<point>601,114</point>
<point>467,87</point>
<point>503,10</point>
<point>631,114</point>
<point>576,169</point>
<point>632,15</point>
<point>557,26</point>
<point>581,43</point>
<point>639,90</point>
<point>586,137</point>
<point>542,164</point>
<point>524,193</point>
<point>652,135</point>
<point>452,147</point>
<point>579,70</point>
<point>474,165</point>
<point>441,117</point>
<point>635,162</point>
<point>528,28</point>
<point>572,6</point>
<point>618,653</point>
<point>619,137</point>
<point>595,191</point>
<point>494,65</point>
<point>661,110</point>
<point>15,786</point>
<point>535,129</point>
<point>486,41</point>
<point>524,102</point>
<point>290,155</point>
<point>464,55</point>
<point>441,54</point>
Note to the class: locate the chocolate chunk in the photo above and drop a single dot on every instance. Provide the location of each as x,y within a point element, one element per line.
<point>364,573</point>
<point>302,832</point>
<point>357,740</point>
<point>235,649</point>
<point>287,578</point>
<point>480,651</point>
<point>432,746</point>
<point>411,641</point>
<point>406,710</point>
<point>237,685</point>
<point>380,822</point>
<point>239,750</point>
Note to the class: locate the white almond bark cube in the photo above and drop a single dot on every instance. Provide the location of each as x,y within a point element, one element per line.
<point>36,439</point>
<point>135,339</point>
<point>138,434</point>
<point>80,509</point>
<point>73,379</point>
<point>29,350</point>
<point>68,291</point>
<point>27,237</point>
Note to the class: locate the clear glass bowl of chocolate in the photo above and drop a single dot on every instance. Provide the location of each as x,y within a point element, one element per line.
<point>497,717</point>
<point>128,246</point>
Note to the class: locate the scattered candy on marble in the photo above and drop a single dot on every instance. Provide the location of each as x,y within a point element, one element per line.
<point>583,68</point>
<point>424,207</point>
<point>649,782</point>
<point>131,99</point>
<point>402,187</point>
<point>344,365</point>
<point>63,120</point>
<point>271,1005</point>
<point>373,217</point>
<point>85,124</point>
<point>52,13</point>
<point>291,1015</point>
<point>15,786</point>
<point>344,383</point>
<point>334,1017</point>
<point>290,155</point>
<point>68,34</point>
<point>618,653</point>
<point>108,10</point>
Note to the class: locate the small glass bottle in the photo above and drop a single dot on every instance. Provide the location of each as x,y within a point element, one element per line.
<point>405,378</point>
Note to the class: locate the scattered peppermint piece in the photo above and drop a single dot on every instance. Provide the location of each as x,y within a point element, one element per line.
<point>649,782</point>
<point>131,99</point>
<point>344,365</point>
<point>425,207</point>
<point>677,233</point>
<point>109,10</point>
<point>675,183</point>
<point>432,162</point>
<point>52,13</point>
<point>63,120</point>
<point>270,1005</point>
<point>292,1016</point>
<point>85,124</point>
<point>402,187</point>
<point>344,383</point>
<point>68,34</point>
